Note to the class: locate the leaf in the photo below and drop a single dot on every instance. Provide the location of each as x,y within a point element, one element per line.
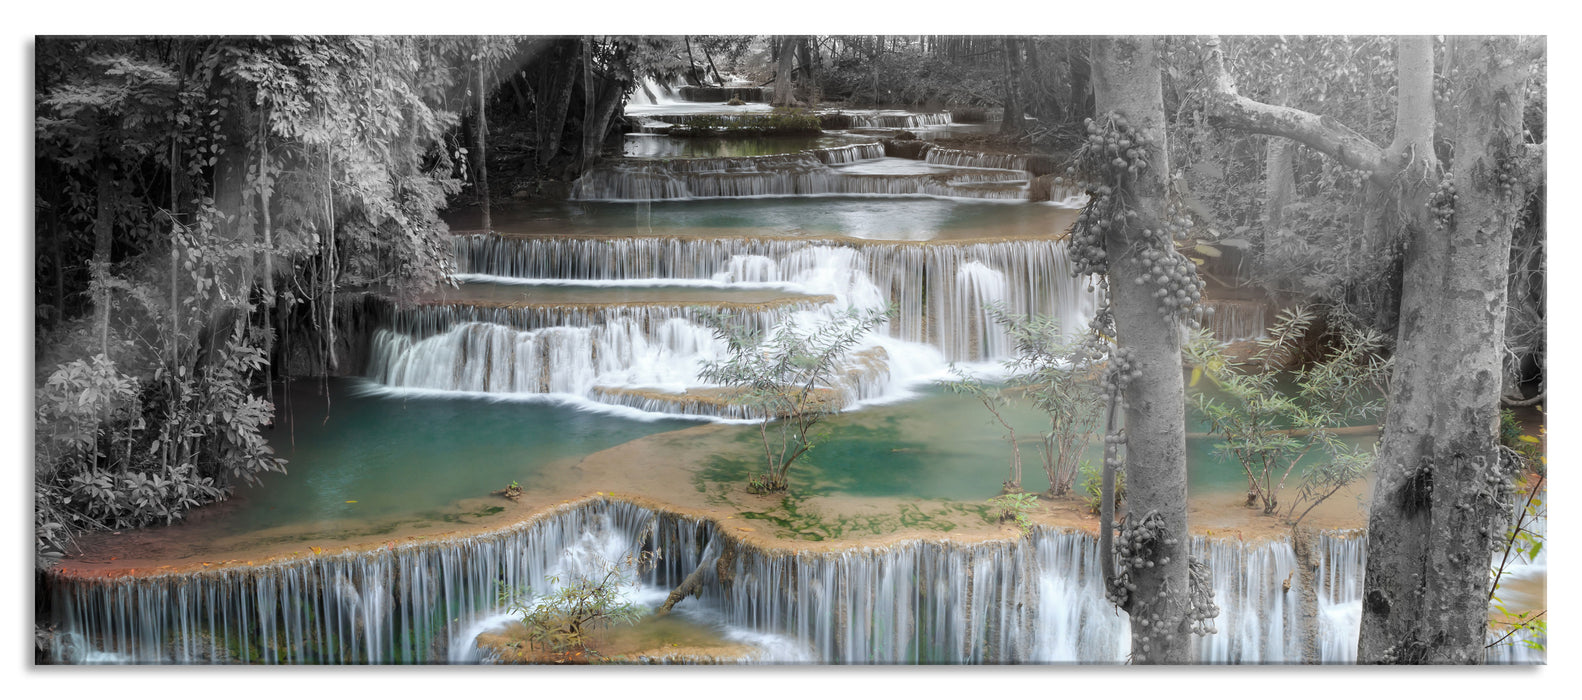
<point>1527,438</point>
<point>1205,249</point>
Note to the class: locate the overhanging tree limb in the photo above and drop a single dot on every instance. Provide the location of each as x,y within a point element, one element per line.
<point>1228,109</point>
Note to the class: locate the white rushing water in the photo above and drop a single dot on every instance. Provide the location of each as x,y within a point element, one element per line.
<point>605,354</point>
<point>1033,600</point>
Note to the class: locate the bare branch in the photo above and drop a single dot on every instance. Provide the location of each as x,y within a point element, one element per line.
<point>1230,110</point>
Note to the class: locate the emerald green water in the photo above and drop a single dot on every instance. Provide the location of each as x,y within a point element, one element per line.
<point>372,458</point>
<point>874,218</point>
<point>948,446</point>
<point>376,457</point>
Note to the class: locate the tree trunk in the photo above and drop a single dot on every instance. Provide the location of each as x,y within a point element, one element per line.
<point>1302,542</point>
<point>1080,102</point>
<point>1436,497</point>
<point>1126,80</point>
<point>692,64</point>
<point>804,58</point>
<point>1440,485</point>
<point>604,111</point>
<point>710,58</point>
<point>103,219</point>
<point>482,133</point>
<point>552,112</point>
<point>785,95</point>
<point>1011,62</point>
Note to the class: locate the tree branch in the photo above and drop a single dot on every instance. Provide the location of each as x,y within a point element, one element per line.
<point>1227,109</point>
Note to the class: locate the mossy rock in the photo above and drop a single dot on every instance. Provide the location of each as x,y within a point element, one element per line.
<point>902,148</point>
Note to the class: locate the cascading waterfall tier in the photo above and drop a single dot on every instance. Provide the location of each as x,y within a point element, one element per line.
<point>973,159</point>
<point>547,350</point>
<point>812,172</point>
<point>425,320</point>
<point>939,288</point>
<point>1036,599</point>
<point>897,119</point>
<point>1232,320</point>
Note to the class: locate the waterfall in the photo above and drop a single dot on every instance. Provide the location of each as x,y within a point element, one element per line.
<point>796,174</point>
<point>646,355</point>
<point>974,159</point>
<point>939,303</point>
<point>1232,320</point>
<point>1036,599</point>
<point>897,120</point>
<point>846,155</point>
<point>1259,620</point>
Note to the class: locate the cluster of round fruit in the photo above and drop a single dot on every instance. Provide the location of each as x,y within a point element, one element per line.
<point>1178,220</point>
<point>1202,610</point>
<point>1177,287</point>
<point>1113,151</point>
<point>1138,547</point>
<point>1122,370</point>
<point>1442,92</point>
<point>1443,202</point>
<point>1111,158</point>
<point>1504,179</point>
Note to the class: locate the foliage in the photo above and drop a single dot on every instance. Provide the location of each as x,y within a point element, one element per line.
<point>1512,436</point>
<point>992,399</point>
<point>1317,239</point>
<point>1091,483</point>
<point>564,620</point>
<point>786,379</point>
<point>1269,431</point>
<point>1529,626</point>
<point>1015,507</point>
<point>1058,377</point>
<point>221,185</point>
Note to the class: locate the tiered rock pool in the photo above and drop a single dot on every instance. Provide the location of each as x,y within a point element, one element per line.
<point>567,363</point>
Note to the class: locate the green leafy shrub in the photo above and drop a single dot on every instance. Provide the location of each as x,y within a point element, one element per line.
<point>1092,485</point>
<point>1015,507</point>
<point>787,379</point>
<point>1269,431</point>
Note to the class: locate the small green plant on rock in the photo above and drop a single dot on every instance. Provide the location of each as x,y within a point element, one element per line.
<point>512,491</point>
<point>1015,507</point>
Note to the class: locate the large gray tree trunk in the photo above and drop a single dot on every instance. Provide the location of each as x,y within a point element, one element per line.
<point>1440,484</point>
<point>1012,123</point>
<point>1126,80</point>
<point>784,94</point>
<point>1438,477</point>
<point>551,114</point>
